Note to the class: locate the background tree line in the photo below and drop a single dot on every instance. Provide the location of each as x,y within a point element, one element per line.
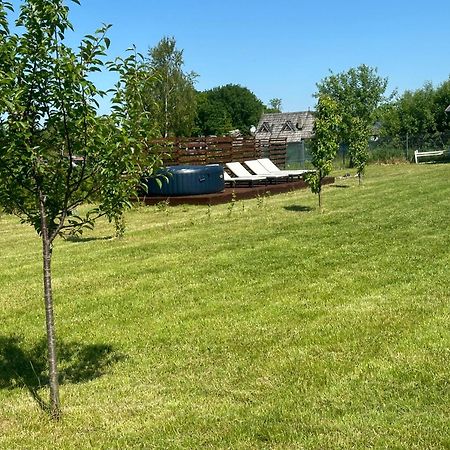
<point>418,115</point>
<point>178,109</point>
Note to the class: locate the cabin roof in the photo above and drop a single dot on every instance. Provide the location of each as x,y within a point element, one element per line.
<point>292,126</point>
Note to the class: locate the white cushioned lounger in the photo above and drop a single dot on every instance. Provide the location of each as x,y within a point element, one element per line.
<point>256,167</point>
<point>272,168</point>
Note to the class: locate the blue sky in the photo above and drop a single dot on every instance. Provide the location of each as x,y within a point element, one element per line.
<point>282,48</point>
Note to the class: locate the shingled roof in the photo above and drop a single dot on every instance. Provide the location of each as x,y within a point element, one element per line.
<point>293,126</point>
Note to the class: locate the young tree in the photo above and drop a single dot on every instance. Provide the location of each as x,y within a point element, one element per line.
<point>358,145</point>
<point>169,91</point>
<point>358,92</point>
<point>325,142</point>
<point>56,153</point>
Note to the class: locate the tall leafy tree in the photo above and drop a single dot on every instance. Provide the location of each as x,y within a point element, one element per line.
<point>441,102</point>
<point>325,142</point>
<point>212,117</point>
<point>274,105</point>
<point>358,92</point>
<point>169,92</point>
<point>56,152</point>
<point>228,107</point>
<point>418,114</point>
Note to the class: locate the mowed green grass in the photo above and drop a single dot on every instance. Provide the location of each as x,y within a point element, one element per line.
<point>267,324</point>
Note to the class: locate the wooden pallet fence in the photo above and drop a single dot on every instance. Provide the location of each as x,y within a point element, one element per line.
<point>245,149</point>
<point>276,150</point>
<point>218,150</point>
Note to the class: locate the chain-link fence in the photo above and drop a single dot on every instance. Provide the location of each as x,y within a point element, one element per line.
<point>395,147</point>
<point>382,149</point>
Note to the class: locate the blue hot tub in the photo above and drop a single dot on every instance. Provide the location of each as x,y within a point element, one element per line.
<point>187,180</point>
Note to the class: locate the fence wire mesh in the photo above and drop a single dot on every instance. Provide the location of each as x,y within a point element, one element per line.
<point>383,148</point>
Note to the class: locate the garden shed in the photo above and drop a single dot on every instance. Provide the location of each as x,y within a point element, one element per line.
<point>296,127</point>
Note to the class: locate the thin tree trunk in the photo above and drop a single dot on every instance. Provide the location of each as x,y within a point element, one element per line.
<point>55,410</point>
<point>320,188</point>
<point>166,116</point>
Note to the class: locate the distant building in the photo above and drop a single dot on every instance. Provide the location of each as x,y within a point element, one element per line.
<point>447,110</point>
<point>295,127</point>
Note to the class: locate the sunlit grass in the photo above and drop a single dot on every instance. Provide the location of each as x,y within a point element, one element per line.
<point>269,324</point>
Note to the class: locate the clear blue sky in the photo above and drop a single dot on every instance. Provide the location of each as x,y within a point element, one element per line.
<point>282,48</point>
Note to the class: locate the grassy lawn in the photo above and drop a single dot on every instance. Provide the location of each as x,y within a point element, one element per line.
<point>266,324</point>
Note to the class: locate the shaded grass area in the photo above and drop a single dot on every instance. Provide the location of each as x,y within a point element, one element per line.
<point>260,324</point>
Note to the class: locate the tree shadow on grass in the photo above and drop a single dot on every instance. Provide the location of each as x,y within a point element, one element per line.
<point>340,186</point>
<point>80,239</point>
<point>27,367</point>
<point>298,208</point>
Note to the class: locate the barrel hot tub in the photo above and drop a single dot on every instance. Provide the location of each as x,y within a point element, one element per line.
<point>187,180</point>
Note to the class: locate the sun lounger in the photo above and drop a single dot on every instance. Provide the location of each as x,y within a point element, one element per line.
<point>237,180</point>
<point>256,167</point>
<point>238,170</point>
<point>272,168</point>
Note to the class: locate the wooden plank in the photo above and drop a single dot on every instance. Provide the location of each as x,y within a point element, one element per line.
<point>210,150</point>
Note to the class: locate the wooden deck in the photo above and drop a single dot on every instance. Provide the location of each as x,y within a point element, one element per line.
<point>240,193</point>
